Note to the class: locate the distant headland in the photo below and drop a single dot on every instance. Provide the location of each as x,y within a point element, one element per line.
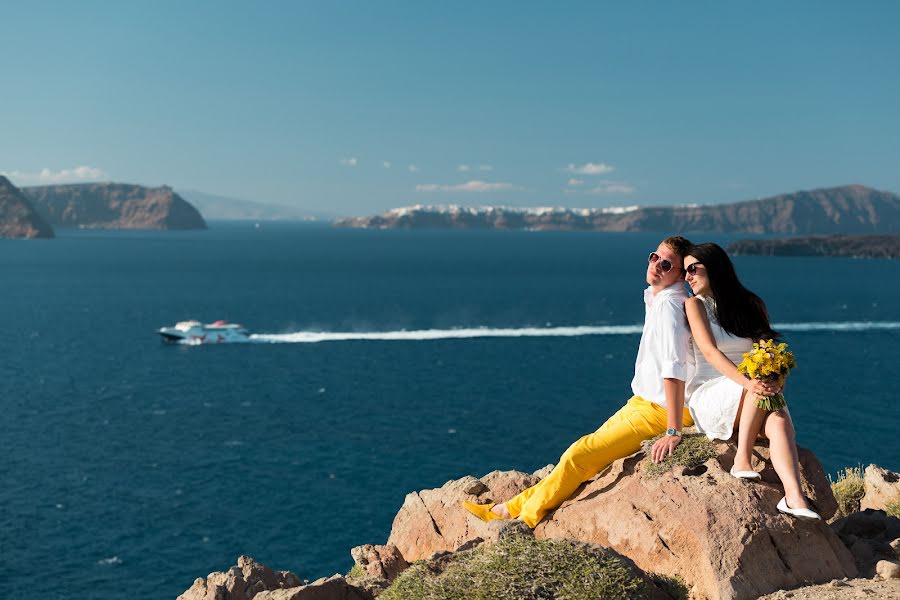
<point>855,246</point>
<point>18,218</point>
<point>851,210</point>
<point>114,206</point>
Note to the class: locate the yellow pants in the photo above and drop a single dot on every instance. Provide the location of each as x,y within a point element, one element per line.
<point>620,436</point>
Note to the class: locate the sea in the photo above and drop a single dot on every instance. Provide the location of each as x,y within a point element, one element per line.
<point>384,362</point>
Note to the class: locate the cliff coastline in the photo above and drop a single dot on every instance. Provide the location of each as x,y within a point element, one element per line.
<point>849,210</point>
<point>693,531</point>
<point>114,206</point>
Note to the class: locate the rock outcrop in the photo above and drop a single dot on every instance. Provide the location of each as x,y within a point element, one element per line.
<point>873,537</point>
<point>18,218</point>
<point>241,582</point>
<point>114,206</point>
<point>250,580</point>
<point>882,487</point>
<point>723,536</point>
<point>852,209</point>
<point>856,246</point>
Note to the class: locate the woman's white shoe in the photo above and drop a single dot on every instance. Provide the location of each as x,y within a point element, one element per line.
<point>800,513</point>
<point>745,474</point>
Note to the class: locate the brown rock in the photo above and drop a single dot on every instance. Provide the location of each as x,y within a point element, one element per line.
<point>434,520</point>
<point>243,582</point>
<point>871,536</point>
<point>723,536</point>
<point>18,217</point>
<point>326,588</point>
<point>882,486</point>
<point>888,569</point>
<point>385,561</point>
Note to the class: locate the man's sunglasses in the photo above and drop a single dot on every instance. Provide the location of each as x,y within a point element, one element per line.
<point>694,267</point>
<point>664,265</point>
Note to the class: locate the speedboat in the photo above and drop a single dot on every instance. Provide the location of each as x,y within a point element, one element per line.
<point>195,332</point>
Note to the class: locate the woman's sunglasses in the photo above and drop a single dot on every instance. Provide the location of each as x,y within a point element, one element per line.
<point>664,265</point>
<point>693,268</point>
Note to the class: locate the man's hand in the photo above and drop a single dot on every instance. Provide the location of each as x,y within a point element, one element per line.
<point>664,447</point>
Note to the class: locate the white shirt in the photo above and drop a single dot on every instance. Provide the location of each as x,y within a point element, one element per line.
<point>664,352</point>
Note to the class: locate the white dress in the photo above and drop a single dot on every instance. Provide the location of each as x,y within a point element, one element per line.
<point>713,399</point>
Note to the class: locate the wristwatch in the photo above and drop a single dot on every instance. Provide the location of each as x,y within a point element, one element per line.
<point>671,431</point>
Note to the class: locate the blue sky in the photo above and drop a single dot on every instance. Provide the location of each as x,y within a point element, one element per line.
<point>355,107</point>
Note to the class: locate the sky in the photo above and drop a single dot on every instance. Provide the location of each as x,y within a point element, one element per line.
<point>356,107</point>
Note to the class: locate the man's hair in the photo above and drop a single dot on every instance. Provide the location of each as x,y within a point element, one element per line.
<point>678,245</point>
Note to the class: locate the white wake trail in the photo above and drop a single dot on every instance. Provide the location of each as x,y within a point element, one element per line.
<point>838,326</point>
<point>311,337</point>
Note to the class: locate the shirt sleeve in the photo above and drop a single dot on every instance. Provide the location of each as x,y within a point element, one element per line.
<point>673,338</point>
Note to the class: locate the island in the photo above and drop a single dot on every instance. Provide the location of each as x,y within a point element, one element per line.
<point>855,246</point>
<point>114,206</point>
<point>850,210</point>
<point>18,217</point>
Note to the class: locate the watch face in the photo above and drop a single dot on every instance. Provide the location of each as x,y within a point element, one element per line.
<point>671,431</point>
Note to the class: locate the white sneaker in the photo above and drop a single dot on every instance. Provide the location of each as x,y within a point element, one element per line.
<point>800,513</point>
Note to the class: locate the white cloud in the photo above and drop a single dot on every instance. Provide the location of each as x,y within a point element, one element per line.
<point>349,162</point>
<point>413,169</point>
<point>611,187</point>
<point>589,168</point>
<point>469,186</point>
<point>463,168</point>
<point>574,182</point>
<point>386,164</point>
<point>46,176</point>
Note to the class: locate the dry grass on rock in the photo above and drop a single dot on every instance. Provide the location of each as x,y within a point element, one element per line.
<point>521,568</point>
<point>848,490</point>
<point>694,450</point>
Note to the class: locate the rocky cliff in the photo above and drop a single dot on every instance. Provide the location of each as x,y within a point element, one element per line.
<point>852,209</point>
<point>696,527</point>
<point>856,246</point>
<point>18,218</point>
<point>114,206</point>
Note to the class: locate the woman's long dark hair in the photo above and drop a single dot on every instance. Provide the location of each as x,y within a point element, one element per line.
<point>740,312</point>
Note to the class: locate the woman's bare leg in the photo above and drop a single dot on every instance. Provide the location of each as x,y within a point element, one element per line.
<point>500,509</point>
<point>783,450</point>
<point>750,424</point>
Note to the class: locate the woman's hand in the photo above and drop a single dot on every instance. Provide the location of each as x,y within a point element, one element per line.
<point>763,388</point>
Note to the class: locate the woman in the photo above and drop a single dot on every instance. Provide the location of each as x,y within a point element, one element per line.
<point>725,319</point>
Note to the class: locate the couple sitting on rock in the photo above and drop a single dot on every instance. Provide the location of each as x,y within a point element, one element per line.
<point>725,319</point>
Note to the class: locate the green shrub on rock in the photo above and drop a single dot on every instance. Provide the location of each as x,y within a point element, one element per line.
<point>848,491</point>
<point>521,568</point>
<point>355,572</point>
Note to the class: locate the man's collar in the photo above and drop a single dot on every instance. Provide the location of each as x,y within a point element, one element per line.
<point>676,289</point>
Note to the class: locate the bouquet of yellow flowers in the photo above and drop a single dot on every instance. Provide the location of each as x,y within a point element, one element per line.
<point>768,361</point>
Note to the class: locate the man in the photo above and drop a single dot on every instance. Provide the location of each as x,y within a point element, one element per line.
<point>656,407</point>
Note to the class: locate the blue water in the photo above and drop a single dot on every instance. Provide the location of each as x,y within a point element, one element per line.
<point>132,465</point>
